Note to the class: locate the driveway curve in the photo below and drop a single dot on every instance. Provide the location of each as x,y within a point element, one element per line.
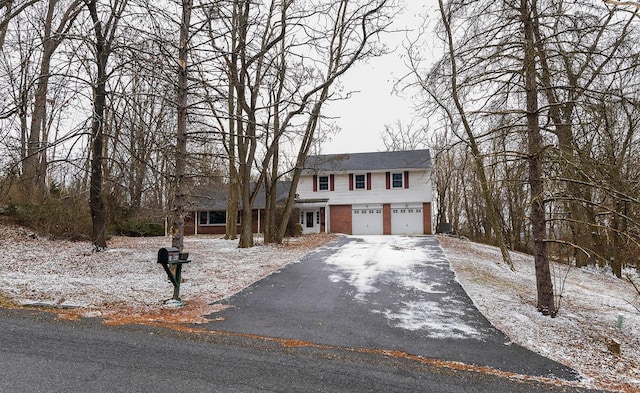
<point>395,293</point>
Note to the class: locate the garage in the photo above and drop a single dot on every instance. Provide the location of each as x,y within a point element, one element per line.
<point>406,219</point>
<point>366,219</point>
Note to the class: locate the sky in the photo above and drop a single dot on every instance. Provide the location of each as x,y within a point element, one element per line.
<point>374,104</point>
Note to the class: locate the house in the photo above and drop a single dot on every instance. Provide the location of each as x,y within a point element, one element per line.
<point>207,208</point>
<point>366,193</point>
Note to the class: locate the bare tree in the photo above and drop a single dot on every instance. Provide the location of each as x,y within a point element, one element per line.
<point>471,138</point>
<point>35,160</point>
<point>398,137</point>
<point>105,35</point>
<point>181,145</point>
<point>11,8</point>
<point>535,149</point>
<point>545,79</point>
<point>349,22</point>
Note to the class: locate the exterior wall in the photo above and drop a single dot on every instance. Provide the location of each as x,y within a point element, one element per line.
<point>419,189</point>
<point>426,218</point>
<point>189,227</point>
<point>386,219</point>
<point>343,197</point>
<point>311,220</point>
<point>340,219</point>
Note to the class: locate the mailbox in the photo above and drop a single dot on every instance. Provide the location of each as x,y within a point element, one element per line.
<point>168,254</point>
<point>172,256</point>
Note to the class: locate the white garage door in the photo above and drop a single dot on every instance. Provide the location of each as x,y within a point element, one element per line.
<point>367,220</point>
<point>406,220</point>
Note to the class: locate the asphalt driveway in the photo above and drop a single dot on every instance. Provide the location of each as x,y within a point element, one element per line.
<point>394,293</point>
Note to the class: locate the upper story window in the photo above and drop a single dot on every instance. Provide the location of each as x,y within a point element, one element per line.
<point>397,180</point>
<point>323,183</point>
<point>359,182</point>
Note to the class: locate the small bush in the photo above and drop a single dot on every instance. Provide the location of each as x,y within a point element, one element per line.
<point>138,229</point>
<point>66,218</point>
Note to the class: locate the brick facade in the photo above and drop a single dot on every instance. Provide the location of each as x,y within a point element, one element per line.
<point>340,219</point>
<point>189,227</point>
<point>386,219</point>
<point>426,218</point>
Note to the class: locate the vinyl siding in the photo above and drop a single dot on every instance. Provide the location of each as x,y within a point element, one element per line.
<point>419,189</point>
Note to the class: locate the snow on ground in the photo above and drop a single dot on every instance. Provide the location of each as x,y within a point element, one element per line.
<point>587,322</point>
<point>125,284</point>
<point>406,263</point>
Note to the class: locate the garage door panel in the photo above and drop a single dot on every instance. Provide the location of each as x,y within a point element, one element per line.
<point>367,221</point>
<point>406,221</point>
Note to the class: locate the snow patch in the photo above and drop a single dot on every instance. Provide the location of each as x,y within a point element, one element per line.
<point>367,263</point>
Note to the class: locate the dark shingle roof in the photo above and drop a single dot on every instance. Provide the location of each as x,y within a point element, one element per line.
<point>215,197</point>
<point>378,161</point>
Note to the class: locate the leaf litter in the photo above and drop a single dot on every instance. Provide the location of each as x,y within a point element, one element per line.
<point>125,285</point>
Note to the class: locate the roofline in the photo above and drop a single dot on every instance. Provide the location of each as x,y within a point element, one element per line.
<point>358,171</point>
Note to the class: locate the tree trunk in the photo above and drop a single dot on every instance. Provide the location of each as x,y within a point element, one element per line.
<point>96,202</point>
<point>544,284</point>
<point>35,160</point>
<point>231,230</point>
<point>492,211</point>
<point>181,143</point>
<point>271,201</point>
<point>303,152</point>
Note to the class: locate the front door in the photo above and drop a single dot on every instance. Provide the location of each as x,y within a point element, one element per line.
<point>310,221</point>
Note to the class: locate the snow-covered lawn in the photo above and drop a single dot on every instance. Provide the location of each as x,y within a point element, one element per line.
<point>125,284</point>
<point>587,321</point>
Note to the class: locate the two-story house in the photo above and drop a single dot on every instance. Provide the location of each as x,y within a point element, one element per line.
<point>366,193</point>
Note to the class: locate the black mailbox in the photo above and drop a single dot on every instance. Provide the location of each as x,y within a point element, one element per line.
<point>172,256</point>
<point>168,254</point>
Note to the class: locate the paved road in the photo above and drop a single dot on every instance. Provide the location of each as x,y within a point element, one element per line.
<point>39,353</point>
<point>380,293</point>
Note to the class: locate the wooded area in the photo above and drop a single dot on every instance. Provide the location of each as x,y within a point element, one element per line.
<point>114,112</point>
<point>538,144</point>
<point>132,104</point>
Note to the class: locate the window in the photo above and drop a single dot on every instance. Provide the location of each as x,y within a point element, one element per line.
<point>216,217</point>
<point>323,183</point>
<point>360,182</point>
<point>309,219</point>
<point>396,180</point>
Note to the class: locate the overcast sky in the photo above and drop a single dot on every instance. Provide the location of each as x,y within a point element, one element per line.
<point>362,118</point>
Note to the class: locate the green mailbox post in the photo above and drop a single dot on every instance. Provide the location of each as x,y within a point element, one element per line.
<point>170,256</point>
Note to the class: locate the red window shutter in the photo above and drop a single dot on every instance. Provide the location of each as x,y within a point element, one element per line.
<point>331,182</point>
<point>315,183</point>
<point>351,182</point>
<point>368,181</point>
<point>388,175</point>
<point>406,179</point>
